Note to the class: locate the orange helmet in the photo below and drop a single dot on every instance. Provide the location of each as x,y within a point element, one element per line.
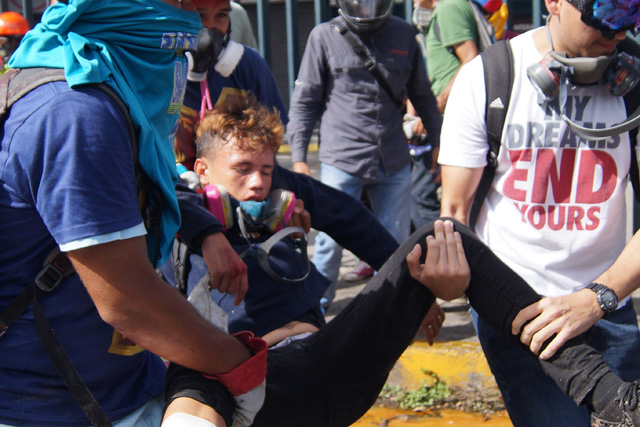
<point>13,24</point>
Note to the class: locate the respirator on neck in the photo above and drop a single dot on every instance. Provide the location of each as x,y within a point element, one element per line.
<point>552,76</point>
<point>269,216</point>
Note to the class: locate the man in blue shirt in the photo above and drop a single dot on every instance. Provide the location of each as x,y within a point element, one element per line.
<point>68,182</point>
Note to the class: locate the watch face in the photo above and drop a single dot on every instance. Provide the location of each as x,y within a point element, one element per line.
<point>608,300</point>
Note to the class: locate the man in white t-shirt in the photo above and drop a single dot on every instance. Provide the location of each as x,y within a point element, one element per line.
<point>555,212</point>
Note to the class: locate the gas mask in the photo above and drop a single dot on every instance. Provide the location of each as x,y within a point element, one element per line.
<point>552,76</point>
<point>421,18</point>
<point>213,48</point>
<point>619,71</point>
<point>270,216</point>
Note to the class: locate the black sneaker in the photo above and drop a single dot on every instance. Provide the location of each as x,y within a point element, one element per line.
<point>623,411</point>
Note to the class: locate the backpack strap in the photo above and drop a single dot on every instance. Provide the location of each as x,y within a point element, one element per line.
<point>632,103</point>
<point>370,62</point>
<point>485,31</point>
<point>14,85</point>
<point>56,267</point>
<point>497,61</point>
<point>436,33</point>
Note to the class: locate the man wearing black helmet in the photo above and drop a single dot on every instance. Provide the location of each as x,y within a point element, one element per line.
<point>555,211</point>
<point>358,98</point>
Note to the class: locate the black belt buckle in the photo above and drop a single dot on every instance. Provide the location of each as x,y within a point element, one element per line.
<point>48,278</point>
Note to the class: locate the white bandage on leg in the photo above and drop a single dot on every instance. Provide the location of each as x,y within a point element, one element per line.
<point>180,419</point>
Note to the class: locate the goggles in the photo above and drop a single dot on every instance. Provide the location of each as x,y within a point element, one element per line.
<point>610,16</point>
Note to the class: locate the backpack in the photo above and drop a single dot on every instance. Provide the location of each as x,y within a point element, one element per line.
<point>15,84</point>
<point>498,80</point>
<point>486,32</point>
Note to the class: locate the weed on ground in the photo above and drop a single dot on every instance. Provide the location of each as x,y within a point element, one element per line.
<point>435,393</point>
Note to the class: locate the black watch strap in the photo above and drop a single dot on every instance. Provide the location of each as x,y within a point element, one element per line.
<point>605,296</point>
<point>595,287</point>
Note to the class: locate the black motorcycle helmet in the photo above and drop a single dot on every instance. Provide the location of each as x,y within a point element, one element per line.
<point>363,16</point>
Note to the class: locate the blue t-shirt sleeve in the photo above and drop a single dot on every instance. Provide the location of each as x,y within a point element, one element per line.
<point>80,175</point>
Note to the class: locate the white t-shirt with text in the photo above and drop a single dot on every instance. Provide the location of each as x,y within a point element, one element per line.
<point>555,212</point>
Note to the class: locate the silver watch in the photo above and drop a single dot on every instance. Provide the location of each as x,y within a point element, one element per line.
<point>605,296</point>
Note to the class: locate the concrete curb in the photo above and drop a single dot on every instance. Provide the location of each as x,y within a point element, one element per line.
<point>286,149</point>
<point>455,362</point>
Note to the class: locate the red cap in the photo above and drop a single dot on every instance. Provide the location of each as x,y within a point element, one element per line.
<point>492,6</point>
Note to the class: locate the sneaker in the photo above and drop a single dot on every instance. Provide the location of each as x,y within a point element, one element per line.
<point>623,411</point>
<point>361,272</point>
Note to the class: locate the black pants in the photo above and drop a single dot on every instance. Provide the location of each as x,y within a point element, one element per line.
<point>334,376</point>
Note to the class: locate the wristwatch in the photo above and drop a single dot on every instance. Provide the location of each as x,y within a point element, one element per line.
<point>606,297</point>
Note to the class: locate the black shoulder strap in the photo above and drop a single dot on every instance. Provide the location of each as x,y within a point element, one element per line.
<point>436,33</point>
<point>15,84</point>
<point>631,103</point>
<point>56,267</point>
<point>497,61</point>
<point>370,62</point>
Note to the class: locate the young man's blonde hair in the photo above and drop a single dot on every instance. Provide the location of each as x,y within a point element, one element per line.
<point>244,121</point>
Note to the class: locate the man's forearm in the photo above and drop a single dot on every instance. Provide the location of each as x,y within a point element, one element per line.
<point>131,297</point>
<point>624,275</point>
<point>458,189</point>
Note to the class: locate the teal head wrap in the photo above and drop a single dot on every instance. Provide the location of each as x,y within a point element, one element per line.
<point>136,47</point>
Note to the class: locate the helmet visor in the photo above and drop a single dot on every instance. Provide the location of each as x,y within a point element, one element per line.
<point>366,10</point>
<point>611,16</point>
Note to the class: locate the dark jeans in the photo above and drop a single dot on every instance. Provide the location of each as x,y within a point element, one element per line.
<point>425,206</point>
<point>531,397</point>
<point>332,377</point>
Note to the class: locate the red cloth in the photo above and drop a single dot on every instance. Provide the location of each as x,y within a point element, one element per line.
<point>250,374</point>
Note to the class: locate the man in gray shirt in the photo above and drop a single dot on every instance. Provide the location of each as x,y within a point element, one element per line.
<point>363,145</point>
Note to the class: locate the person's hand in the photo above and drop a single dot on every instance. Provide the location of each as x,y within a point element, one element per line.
<point>300,217</point>
<point>567,317</point>
<point>432,323</point>
<point>418,127</point>
<point>445,271</point>
<point>228,271</point>
<point>302,167</point>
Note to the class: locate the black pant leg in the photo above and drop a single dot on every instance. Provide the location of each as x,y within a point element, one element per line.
<point>498,294</point>
<point>334,376</point>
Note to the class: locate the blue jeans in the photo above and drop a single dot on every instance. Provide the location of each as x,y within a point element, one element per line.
<point>531,397</point>
<point>147,415</point>
<point>390,198</point>
<point>425,206</point>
